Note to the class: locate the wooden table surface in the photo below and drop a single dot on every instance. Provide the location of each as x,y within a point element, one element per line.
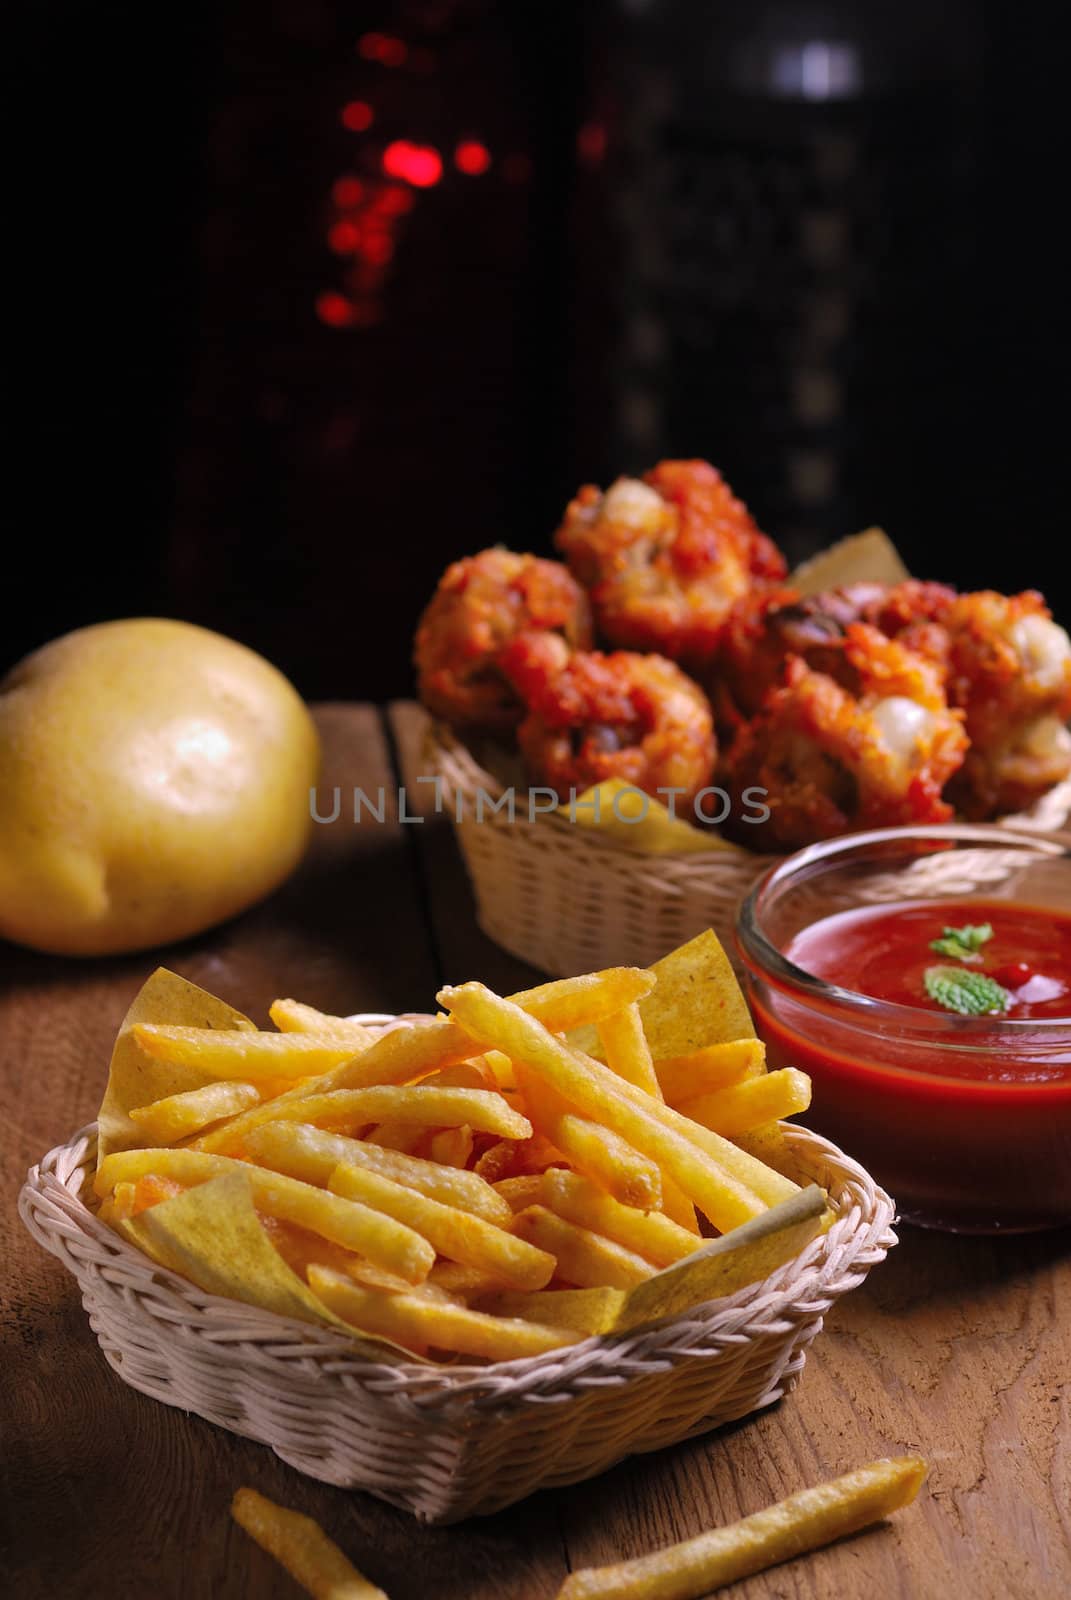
<point>956,1347</point>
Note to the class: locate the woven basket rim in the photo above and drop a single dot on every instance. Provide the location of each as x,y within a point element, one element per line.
<point>56,1184</point>
<point>457,763</point>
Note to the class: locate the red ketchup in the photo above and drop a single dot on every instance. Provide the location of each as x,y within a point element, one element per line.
<point>966,1121</point>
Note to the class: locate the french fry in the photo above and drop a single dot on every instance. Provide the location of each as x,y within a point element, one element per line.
<point>649,1234</point>
<point>312,1154</point>
<point>394,1058</point>
<point>628,1055</point>
<point>176,1116</point>
<point>712,1067</point>
<point>584,1258</point>
<point>474,1074</point>
<point>464,1283</point>
<point>237,1054</point>
<point>420,1323</point>
<point>803,1522</point>
<point>743,1106</point>
<point>569,1003</point>
<point>586,1311</point>
<point>524,1190</point>
<point>626,1050</point>
<point>301,1546</point>
<point>727,1185</point>
<point>291,1016</point>
<point>451,1147</point>
<point>511,1157</point>
<point>458,1235</point>
<point>594,1149</point>
<point>381,1238</point>
<point>394,1135</point>
<point>479,1109</point>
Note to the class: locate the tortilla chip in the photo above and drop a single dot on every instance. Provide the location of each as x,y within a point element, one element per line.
<point>868,557</point>
<point>724,1265</point>
<point>134,1078</point>
<point>697,1001</point>
<point>618,810</point>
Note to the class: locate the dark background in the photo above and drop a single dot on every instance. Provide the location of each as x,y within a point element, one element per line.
<point>820,244</point>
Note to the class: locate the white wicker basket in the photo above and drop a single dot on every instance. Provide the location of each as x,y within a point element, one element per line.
<point>446,1442</point>
<point>569,900</point>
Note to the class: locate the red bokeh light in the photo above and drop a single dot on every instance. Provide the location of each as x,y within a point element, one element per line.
<point>419,164</point>
<point>378,249</point>
<point>382,47</point>
<point>591,143</point>
<point>393,200</point>
<point>357,116</point>
<point>347,192</point>
<point>472,157</point>
<point>334,309</point>
<point>344,238</point>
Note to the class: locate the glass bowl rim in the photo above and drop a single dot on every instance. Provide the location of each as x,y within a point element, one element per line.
<point>759,951</point>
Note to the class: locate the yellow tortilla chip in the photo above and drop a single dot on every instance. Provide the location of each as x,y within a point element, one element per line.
<point>618,810</point>
<point>868,557</point>
<point>213,1236</point>
<point>697,1001</point>
<point>720,1267</point>
<point>134,1079</point>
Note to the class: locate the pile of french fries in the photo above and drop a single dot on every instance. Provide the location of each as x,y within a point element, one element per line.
<point>495,1182</point>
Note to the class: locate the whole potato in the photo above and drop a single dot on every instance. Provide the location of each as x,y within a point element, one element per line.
<point>154,780</point>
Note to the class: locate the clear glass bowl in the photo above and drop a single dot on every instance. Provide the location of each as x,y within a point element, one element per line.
<point>966,1120</point>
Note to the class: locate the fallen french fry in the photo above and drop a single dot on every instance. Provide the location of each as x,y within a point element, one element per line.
<point>301,1546</point>
<point>712,1067</point>
<point>237,1054</point>
<point>178,1115</point>
<point>458,1235</point>
<point>583,1258</point>
<point>649,1234</point>
<point>742,1106</point>
<point>357,1227</point>
<point>803,1522</point>
<point>479,1109</point>
<point>421,1323</point>
<point>712,1172</point>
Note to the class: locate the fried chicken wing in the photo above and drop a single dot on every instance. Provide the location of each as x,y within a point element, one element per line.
<point>592,716</point>
<point>833,759</point>
<point>482,603</point>
<point>1009,667</point>
<point>665,558</point>
<point>766,628</point>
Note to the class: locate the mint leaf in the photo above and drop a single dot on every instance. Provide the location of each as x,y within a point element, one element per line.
<point>972,994</point>
<point>962,944</point>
